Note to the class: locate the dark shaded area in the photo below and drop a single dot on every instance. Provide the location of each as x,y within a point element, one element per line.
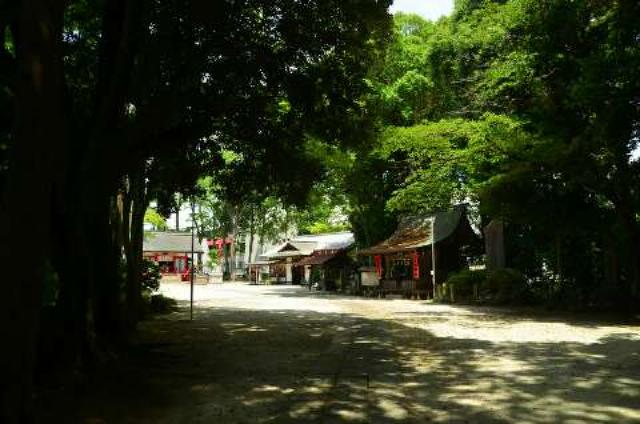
<point>237,365</point>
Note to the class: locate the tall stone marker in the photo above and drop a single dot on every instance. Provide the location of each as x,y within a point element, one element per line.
<point>494,244</point>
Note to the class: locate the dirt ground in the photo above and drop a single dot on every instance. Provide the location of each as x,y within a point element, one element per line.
<point>280,354</point>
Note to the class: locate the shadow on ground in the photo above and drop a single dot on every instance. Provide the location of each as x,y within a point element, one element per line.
<point>276,366</point>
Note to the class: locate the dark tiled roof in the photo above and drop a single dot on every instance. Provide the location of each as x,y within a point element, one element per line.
<point>317,258</point>
<point>170,242</point>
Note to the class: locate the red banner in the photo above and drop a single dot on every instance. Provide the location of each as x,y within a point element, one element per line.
<point>416,266</point>
<point>378,261</point>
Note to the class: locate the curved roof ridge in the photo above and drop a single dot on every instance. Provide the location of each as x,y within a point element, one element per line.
<point>414,231</point>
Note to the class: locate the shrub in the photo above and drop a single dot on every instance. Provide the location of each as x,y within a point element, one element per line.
<point>463,282</point>
<point>316,275</point>
<point>150,275</point>
<point>501,286</point>
<point>213,256</point>
<point>506,285</point>
<point>160,304</point>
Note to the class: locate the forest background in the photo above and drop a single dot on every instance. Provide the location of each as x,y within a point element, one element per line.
<point>526,110</point>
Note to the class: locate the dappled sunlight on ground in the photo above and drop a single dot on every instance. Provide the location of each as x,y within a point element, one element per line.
<point>282,354</point>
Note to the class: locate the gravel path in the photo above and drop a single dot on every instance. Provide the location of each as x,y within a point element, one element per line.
<point>279,354</point>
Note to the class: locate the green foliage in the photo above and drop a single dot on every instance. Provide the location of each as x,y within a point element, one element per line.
<point>157,93</point>
<point>213,256</point>
<point>405,92</point>
<point>151,216</point>
<point>323,213</point>
<point>150,276</point>
<point>218,216</point>
<point>316,275</point>
<point>211,215</point>
<point>505,286</point>
<point>527,110</point>
<point>451,161</point>
<point>501,286</point>
<point>368,185</point>
<point>159,304</point>
<point>326,227</point>
<point>272,219</point>
<point>465,283</point>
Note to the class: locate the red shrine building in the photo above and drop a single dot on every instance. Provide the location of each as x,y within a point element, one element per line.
<point>171,250</point>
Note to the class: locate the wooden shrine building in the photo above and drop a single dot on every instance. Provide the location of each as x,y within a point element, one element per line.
<point>282,268</point>
<point>171,250</point>
<point>328,268</point>
<point>286,265</point>
<point>404,262</point>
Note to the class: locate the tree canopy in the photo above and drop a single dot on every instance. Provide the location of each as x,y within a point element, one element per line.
<point>318,114</point>
<point>105,106</point>
<point>528,111</point>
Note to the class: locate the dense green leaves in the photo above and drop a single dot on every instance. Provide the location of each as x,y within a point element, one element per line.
<point>452,161</point>
<point>124,102</point>
<point>528,110</point>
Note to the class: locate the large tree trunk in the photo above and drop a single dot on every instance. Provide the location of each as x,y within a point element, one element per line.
<point>71,261</point>
<point>117,222</point>
<point>25,218</point>
<point>88,303</point>
<point>134,253</point>
<point>121,25</point>
<point>104,276</point>
<point>624,206</point>
<point>627,217</point>
<point>251,231</point>
<point>234,213</point>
